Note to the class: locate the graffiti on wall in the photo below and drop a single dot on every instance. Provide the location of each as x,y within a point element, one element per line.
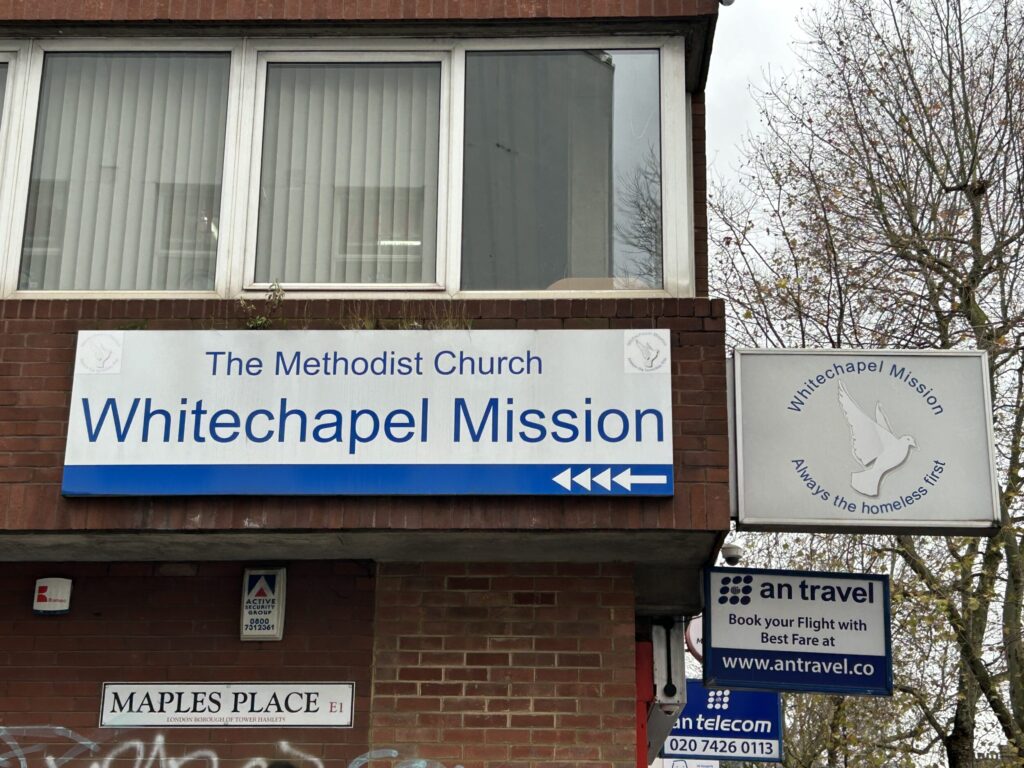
<point>55,747</point>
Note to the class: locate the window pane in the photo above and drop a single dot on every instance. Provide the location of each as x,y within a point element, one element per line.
<point>126,172</point>
<point>562,185</point>
<point>348,187</point>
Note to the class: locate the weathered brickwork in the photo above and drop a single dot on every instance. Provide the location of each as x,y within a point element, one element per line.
<point>343,10</point>
<point>37,341</point>
<point>517,666</point>
<point>176,622</point>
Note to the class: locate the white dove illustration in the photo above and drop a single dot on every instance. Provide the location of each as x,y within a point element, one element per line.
<point>873,443</point>
<point>649,353</point>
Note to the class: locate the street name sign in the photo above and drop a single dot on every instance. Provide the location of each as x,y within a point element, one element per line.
<point>227,705</point>
<point>797,631</point>
<point>371,412</point>
<point>727,724</point>
<point>864,440</point>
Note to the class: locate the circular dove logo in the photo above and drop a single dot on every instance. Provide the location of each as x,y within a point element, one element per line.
<point>646,352</point>
<point>100,353</point>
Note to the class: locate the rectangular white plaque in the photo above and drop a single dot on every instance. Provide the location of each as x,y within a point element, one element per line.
<point>233,705</point>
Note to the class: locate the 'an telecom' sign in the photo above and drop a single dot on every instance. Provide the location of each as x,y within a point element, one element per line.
<point>728,725</point>
<point>797,631</point>
<point>371,412</point>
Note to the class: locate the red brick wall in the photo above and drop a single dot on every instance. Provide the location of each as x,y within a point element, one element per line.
<point>343,10</point>
<point>517,666</point>
<point>177,622</point>
<point>37,341</point>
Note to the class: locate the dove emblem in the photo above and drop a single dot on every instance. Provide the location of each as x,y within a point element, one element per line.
<point>648,353</point>
<point>873,444</point>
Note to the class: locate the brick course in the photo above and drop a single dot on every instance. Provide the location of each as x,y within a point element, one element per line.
<point>510,666</point>
<point>343,10</point>
<point>37,340</point>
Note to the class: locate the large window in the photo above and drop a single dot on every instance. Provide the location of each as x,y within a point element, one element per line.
<point>348,185</point>
<point>125,186</point>
<point>562,170</point>
<point>219,167</point>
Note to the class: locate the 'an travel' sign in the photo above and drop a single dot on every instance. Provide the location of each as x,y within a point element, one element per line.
<point>797,631</point>
<point>864,440</point>
<point>371,412</point>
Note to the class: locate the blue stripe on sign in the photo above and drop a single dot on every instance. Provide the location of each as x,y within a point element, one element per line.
<point>368,479</point>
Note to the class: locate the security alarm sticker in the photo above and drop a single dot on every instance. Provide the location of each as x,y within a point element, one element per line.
<point>52,596</point>
<point>797,631</point>
<point>241,705</point>
<point>263,604</point>
<point>864,440</point>
<point>727,724</point>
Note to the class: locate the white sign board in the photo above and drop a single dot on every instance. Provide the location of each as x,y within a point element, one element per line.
<point>220,705</point>
<point>797,631</point>
<point>263,595</point>
<point>863,441</point>
<point>371,412</point>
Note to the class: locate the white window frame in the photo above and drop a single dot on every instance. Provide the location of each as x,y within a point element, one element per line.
<point>243,144</point>
<point>14,55</point>
<point>255,149</point>
<point>27,130</point>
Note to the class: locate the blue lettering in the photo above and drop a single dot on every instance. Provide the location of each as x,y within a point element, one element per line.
<point>525,418</point>
<point>490,415</point>
<point>109,406</point>
<point>148,415</point>
<point>249,435</point>
<point>437,362</point>
<point>331,431</point>
<point>562,423</point>
<point>282,420</point>
<point>354,435</point>
<point>623,425</point>
<point>284,367</point>
<point>640,423</point>
<point>391,423</point>
<point>225,419</point>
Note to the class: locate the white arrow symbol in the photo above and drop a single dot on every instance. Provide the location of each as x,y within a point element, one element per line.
<point>604,479</point>
<point>583,478</point>
<point>626,479</point>
<point>564,479</point>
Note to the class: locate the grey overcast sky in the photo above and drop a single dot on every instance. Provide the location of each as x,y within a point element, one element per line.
<point>751,37</point>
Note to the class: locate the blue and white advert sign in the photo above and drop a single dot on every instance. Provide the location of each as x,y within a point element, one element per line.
<point>728,725</point>
<point>371,412</point>
<point>797,631</point>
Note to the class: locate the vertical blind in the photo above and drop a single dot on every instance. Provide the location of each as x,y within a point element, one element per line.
<point>125,186</point>
<point>349,179</point>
